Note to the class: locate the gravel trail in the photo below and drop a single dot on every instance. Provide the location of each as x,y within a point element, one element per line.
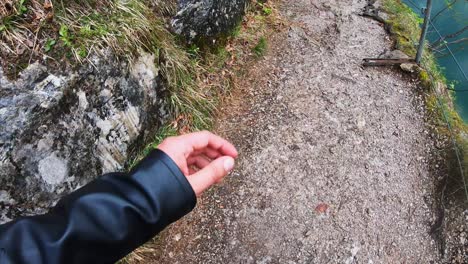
<point>334,156</point>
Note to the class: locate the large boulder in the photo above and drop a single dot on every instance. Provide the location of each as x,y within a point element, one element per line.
<point>59,131</point>
<point>207,19</point>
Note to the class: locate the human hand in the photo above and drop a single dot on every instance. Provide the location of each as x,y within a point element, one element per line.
<point>203,157</point>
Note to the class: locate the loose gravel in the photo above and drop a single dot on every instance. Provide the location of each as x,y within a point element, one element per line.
<point>334,164</point>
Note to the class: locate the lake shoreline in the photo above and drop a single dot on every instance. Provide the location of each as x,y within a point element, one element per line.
<point>447,21</point>
<point>447,125</point>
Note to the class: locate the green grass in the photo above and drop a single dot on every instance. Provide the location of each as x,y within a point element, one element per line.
<point>266,10</point>
<point>131,26</point>
<point>404,25</point>
<point>217,71</point>
<point>126,27</point>
<point>163,132</point>
<point>261,47</point>
<point>83,28</point>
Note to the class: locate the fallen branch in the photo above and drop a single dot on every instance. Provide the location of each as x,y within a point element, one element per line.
<point>449,36</point>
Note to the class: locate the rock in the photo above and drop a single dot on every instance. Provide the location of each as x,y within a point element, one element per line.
<point>177,237</point>
<point>373,10</point>
<point>409,67</point>
<point>200,19</point>
<point>53,169</point>
<point>5,198</point>
<point>59,131</point>
<point>393,54</point>
<point>384,15</point>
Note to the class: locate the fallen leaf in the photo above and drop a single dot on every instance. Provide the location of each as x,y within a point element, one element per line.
<point>321,208</point>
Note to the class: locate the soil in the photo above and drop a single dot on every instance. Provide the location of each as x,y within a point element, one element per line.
<point>335,157</point>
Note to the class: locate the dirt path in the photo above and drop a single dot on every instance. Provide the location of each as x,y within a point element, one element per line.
<point>334,157</point>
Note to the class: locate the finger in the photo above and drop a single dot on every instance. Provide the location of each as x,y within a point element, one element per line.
<point>201,140</point>
<point>192,171</point>
<point>211,174</point>
<point>198,161</point>
<point>212,154</point>
<point>183,167</point>
<point>196,153</point>
<point>209,152</point>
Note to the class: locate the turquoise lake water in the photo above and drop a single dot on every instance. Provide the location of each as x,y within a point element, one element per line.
<point>449,22</point>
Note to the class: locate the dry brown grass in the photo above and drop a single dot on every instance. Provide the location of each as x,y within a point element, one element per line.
<point>198,80</point>
<point>72,30</point>
<point>60,32</point>
<point>20,34</point>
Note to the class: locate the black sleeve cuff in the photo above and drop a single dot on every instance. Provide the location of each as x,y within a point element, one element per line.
<point>158,170</point>
<point>104,220</point>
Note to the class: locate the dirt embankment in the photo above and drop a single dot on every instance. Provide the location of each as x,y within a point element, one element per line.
<point>334,164</point>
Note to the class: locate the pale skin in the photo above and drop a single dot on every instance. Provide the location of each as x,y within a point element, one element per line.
<point>203,157</point>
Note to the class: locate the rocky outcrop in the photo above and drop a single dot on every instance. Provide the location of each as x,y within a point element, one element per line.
<point>59,131</point>
<point>200,19</point>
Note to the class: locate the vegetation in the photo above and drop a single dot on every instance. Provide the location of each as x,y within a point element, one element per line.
<point>54,31</point>
<point>58,32</point>
<point>261,47</point>
<point>71,31</point>
<point>220,66</point>
<point>404,24</point>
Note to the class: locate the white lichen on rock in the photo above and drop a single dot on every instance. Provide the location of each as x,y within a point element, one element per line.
<point>144,70</point>
<point>58,132</point>
<point>52,169</point>
<point>116,133</point>
<point>82,101</point>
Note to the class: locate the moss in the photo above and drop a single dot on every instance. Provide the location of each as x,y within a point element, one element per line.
<point>404,23</point>
<point>424,78</point>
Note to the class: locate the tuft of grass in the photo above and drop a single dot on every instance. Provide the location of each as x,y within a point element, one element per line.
<point>236,31</point>
<point>126,27</point>
<point>267,10</point>
<point>86,27</point>
<point>162,133</point>
<point>50,43</point>
<point>261,47</point>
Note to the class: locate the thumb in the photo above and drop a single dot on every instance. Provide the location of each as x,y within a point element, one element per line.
<point>211,174</point>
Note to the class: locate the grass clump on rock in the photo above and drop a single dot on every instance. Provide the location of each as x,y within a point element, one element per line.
<point>65,34</point>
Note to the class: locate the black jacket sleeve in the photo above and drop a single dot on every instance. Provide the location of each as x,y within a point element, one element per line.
<point>105,220</point>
